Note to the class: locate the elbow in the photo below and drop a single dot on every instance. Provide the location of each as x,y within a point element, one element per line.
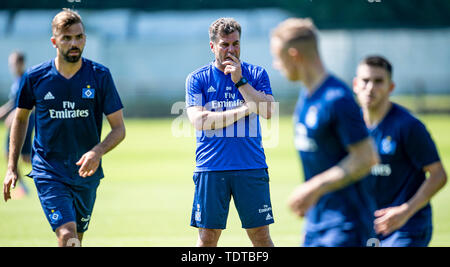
<point>371,159</point>
<point>200,121</point>
<point>200,125</point>
<point>374,159</point>
<point>120,132</point>
<point>443,179</point>
<point>267,115</point>
<point>266,111</point>
<point>123,133</point>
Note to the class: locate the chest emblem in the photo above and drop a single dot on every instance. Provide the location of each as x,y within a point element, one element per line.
<point>311,117</point>
<point>388,145</point>
<point>88,92</point>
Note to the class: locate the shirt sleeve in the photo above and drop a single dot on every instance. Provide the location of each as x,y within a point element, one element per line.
<point>419,146</point>
<point>350,125</point>
<point>194,93</point>
<point>25,95</point>
<point>111,101</point>
<point>263,83</point>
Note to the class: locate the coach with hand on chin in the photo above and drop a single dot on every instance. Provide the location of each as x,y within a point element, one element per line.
<point>224,100</point>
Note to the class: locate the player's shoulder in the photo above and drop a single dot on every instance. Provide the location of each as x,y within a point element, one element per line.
<point>404,118</point>
<point>202,71</point>
<point>39,69</point>
<point>254,70</point>
<point>200,76</point>
<point>96,67</point>
<point>335,90</point>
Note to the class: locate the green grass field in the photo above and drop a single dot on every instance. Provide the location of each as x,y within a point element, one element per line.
<point>146,197</point>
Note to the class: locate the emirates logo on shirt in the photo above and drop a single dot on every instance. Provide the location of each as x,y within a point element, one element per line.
<point>68,112</point>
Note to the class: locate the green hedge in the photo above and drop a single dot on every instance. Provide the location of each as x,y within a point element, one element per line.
<point>326,13</point>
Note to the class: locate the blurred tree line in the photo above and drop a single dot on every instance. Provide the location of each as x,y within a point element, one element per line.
<point>326,13</point>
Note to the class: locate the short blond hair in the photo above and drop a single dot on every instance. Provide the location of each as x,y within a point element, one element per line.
<point>64,19</point>
<point>297,31</point>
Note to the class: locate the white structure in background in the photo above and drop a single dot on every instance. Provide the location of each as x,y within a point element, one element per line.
<point>153,52</point>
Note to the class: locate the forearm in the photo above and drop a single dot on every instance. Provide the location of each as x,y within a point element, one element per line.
<point>426,191</point>
<point>6,108</point>
<point>351,169</point>
<point>338,177</point>
<point>114,137</point>
<point>17,138</point>
<point>212,120</point>
<point>258,101</point>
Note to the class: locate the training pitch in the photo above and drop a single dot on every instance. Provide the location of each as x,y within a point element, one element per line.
<point>146,197</point>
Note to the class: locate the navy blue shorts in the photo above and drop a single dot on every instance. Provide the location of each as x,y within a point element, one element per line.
<point>417,238</point>
<point>63,203</point>
<point>213,192</point>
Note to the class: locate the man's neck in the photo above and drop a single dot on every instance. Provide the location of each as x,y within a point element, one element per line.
<point>20,74</point>
<point>67,69</point>
<point>374,116</point>
<point>220,67</point>
<point>314,77</point>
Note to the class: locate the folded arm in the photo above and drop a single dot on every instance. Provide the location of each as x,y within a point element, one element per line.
<point>203,119</point>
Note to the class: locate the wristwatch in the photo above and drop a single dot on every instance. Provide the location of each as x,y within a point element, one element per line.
<point>241,82</point>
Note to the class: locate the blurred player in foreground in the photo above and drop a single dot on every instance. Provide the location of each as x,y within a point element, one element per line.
<point>223,100</point>
<point>16,62</point>
<point>70,95</point>
<point>407,154</point>
<point>333,143</point>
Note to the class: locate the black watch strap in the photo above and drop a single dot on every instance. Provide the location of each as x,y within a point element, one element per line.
<point>241,82</point>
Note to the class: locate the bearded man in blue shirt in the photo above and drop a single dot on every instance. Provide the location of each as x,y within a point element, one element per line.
<point>70,94</point>
<point>224,101</point>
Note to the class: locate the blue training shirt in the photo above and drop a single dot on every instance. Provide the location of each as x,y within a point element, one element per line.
<point>326,123</point>
<point>238,146</point>
<point>68,114</point>
<point>405,147</point>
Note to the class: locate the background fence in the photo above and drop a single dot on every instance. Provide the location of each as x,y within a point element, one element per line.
<point>151,46</point>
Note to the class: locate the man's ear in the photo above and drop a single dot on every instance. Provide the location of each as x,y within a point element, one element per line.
<point>391,87</point>
<point>295,54</point>
<point>53,40</point>
<point>211,45</point>
<point>355,82</point>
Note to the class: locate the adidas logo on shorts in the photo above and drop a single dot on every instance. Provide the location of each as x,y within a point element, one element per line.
<point>268,217</point>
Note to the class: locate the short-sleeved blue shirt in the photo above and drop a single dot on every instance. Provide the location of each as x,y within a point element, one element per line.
<point>69,114</point>
<point>238,146</point>
<point>405,148</point>
<point>326,123</point>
